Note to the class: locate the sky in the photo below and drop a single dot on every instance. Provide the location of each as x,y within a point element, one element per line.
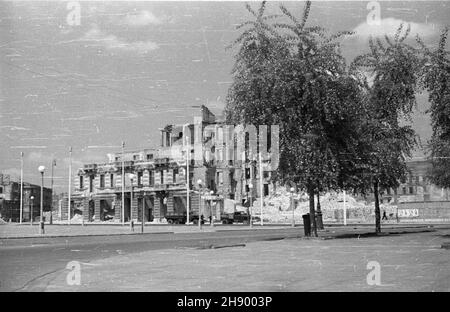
<point>92,74</point>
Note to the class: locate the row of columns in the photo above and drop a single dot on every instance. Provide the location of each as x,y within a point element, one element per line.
<point>116,204</point>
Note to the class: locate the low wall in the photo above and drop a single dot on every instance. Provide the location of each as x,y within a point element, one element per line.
<point>419,211</point>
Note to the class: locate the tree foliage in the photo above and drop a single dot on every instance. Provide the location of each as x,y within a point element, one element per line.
<point>436,80</point>
<point>295,77</point>
<point>394,67</point>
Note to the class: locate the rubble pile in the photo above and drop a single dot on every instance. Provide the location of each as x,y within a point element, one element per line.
<point>277,207</point>
<point>77,218</point>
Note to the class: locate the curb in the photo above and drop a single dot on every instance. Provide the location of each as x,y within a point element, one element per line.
<point>82,235</point>
<point>373,234</point>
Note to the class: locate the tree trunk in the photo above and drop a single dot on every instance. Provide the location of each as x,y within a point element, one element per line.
<point>319,213</point>
<point>377,208</point>
<point>312,211</point>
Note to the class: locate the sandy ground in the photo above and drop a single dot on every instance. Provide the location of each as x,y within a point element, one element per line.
<point>408,262</point>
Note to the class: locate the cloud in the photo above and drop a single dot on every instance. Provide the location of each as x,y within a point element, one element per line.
<point>14,173</point>
<point>390,25</point>
<point>112,42</point>
<point>143,18</point>
<point>39,157</point>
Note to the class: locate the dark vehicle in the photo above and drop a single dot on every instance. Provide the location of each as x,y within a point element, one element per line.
<point>180,218</point>
<point>236,217</point>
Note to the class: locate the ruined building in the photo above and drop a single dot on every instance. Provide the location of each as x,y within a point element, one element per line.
<point>161,175</point>
<point>10,200</point>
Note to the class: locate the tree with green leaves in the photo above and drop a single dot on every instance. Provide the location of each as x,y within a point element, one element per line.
<point>436,80</point>
<point>393,67</point>
<point>294,76</point>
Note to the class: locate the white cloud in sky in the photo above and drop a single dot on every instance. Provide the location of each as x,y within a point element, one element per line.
<point>39,157</point>
<point>14,173</point>
<point>112,42</point>
<point>142,18</point>
<point>390,25</point>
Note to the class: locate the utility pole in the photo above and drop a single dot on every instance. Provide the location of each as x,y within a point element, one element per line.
<point>188,152</point>
<point>21,187</point>
<point>250,220</point>
<point>41,223</point>
<point>261,187</point>
<point>51,212</point>
<point>132,176</point>
<point>211,209</point>
<point>123,185</point>
<point>199,182</point>
<point>70,184</point>
<point>293,206</point>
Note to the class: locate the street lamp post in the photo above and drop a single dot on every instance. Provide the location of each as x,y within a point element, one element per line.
<point>250,186</point>
<point>199,182</point>
<point>70,187</point>
<point>21,187</point>
<point>131,176</point>
<point>31,211</point>
<point>41,222</point>
<point>292,206</point>
<point>51,205</point>
<point>211,210</point>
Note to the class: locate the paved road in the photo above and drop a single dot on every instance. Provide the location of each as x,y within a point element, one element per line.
<point>31,264</point>
<point>26,263</point>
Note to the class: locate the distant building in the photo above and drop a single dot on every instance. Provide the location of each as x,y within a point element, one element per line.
<point>10,200</point>
<point>417,187</point>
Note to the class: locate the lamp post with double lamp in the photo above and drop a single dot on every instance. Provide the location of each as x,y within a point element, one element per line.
<point>199,183</point>
<point>250,221</point>
<point>31,210</point>
<point>292,206</point>
<point>131,176</point>
<point>41,222</point>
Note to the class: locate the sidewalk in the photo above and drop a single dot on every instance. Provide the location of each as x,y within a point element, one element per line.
<point>11,231</point>
<point>8,231</point>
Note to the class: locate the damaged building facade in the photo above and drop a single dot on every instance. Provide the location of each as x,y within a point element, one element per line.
<point>10,200</point>
<point>157,180</point>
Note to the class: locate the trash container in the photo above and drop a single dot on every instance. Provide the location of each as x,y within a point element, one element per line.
<point>307,224</point>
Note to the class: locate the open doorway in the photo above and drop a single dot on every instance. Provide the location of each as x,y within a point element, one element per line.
<point>91,210</point>
<point>107,211</point>
<point>127,214</point>
<point>163,205</point>
<point>149,204</point>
